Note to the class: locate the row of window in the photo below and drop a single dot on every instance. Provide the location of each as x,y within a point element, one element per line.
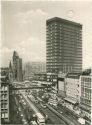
<point>4,88</point>
<point>64,27</point>
<point>64,38</point>
<point>85,101</point>
<point>62,33</point>
<point>3,96</point>
<point>86,84</point>
<point>85,79</point>
<point>86,95</point>
<point>4,115</point>
<point>4,105</point>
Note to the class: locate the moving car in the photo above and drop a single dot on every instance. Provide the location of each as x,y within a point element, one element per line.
<point>36,101</point>
<point>33,123</point>
<point>40,119</point>
<point>43,105</point>
<point>21,115</point>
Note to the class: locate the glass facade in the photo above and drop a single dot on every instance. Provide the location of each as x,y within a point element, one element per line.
<point>63,46</point>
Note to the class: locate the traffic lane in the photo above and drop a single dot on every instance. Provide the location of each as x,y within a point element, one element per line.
<point>53,117</point>
<point>22,113</point>
<point>65,112</point>
<point>30,103</point>
<point>45,112</point>
<point>75,122</point>
<point>66,117</point>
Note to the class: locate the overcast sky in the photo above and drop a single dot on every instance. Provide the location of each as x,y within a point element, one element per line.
<point>24,27</point>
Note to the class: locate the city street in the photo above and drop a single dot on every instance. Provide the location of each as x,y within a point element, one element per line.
<point>53,116</point>
<point>54,119</point>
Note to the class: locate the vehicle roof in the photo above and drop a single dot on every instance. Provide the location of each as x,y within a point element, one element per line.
<point>40,115</point>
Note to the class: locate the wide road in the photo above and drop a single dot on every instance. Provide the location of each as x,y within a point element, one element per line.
<point>30,103</point>
<point>37,108</point>
<point>66,115</point>
<point>52,116</point>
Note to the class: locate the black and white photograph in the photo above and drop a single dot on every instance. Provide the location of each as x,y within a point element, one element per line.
<point>46,62</point>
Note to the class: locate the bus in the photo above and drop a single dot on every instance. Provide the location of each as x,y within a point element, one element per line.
<point>81,120</point>
<point>40,119</point>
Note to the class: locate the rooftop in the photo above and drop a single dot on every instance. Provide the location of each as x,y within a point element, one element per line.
<point>73,75</point>
<point>63,20</point>
<point>15,54</point>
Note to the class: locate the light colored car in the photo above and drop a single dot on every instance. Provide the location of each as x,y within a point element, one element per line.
<point>19,109</point>
<point>24,121</point>
<point>33,123</point>
<point>22,100</point>
<point>24,103</point>
<point>43,105</point>
<point>21,115</point>
<point>61,112</point>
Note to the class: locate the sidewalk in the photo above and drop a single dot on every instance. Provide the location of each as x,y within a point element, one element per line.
<point>14,115</point>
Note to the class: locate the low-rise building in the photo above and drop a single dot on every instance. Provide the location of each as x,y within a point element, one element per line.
<point>52,78</point>
<point>73,91</point>
<point>61,85</point>
<point>86,91</point>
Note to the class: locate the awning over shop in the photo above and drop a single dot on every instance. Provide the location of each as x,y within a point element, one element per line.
<point>70,100</point>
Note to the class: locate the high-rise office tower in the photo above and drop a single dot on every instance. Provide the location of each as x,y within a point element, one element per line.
<point>63,46</point>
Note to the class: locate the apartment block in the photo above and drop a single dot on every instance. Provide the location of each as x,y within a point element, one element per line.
<point>4,80</point>
<point>86,96</point>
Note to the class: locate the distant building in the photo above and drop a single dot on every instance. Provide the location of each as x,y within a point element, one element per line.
<point>40,77</point>
<point>63,46</point>
<point>32,68</point>
<point>4,80</point>
<point>52,77</point>
<point>86,94</point>
<point>10,73</point>
<point>17,67</point>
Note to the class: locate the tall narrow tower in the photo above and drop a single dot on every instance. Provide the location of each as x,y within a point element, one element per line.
<point>17,67</point>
